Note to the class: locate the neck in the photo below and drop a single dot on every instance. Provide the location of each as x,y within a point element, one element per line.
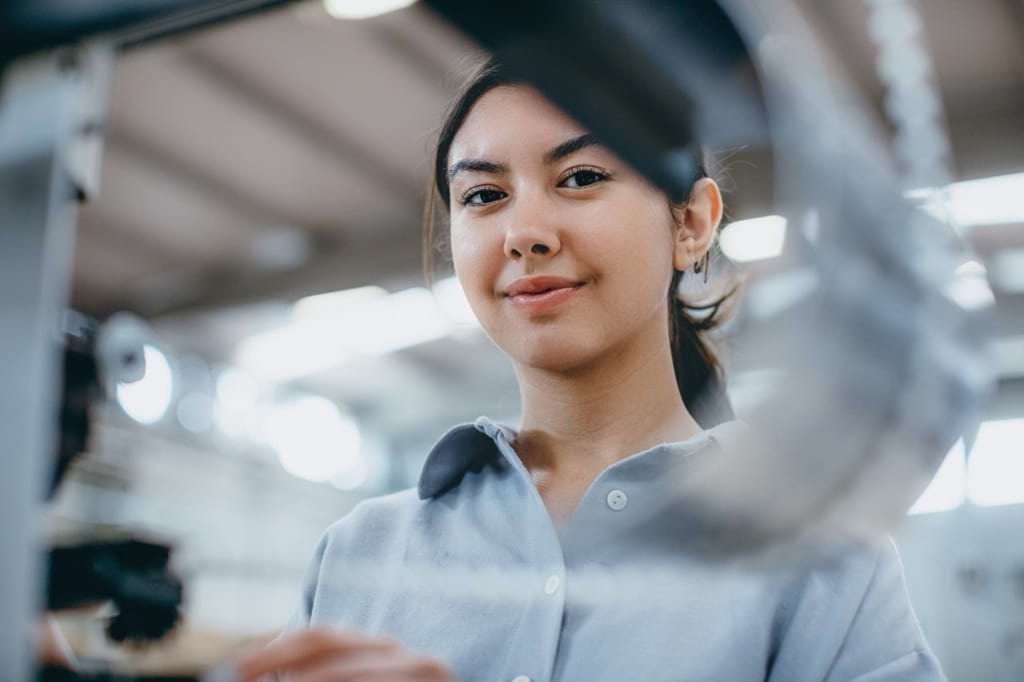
<point>586,418</point>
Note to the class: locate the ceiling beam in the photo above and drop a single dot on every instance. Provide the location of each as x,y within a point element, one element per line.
<point>345,150</point>
<point>198,179</point>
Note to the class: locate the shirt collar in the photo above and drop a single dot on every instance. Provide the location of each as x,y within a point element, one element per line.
<point>471,446</point>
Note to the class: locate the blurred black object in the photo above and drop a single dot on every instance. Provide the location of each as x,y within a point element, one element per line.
<point>58,674</point>
<point>80,389</point>
<point>133,574</point>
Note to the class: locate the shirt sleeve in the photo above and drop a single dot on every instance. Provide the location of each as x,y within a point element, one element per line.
<point>853,622</point>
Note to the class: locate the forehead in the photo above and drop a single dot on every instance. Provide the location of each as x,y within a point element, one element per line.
<point>512,118</point>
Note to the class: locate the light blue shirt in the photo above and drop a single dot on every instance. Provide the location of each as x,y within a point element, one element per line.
<point>469,568</point>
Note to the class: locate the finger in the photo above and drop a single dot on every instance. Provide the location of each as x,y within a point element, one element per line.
<point>298,650</point>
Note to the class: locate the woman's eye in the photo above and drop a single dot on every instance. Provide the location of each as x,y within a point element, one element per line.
<point>482,197</point>
<point>584,177</point>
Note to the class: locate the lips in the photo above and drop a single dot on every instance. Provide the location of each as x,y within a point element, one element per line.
<point>539,297</point>
<point>532,286</point>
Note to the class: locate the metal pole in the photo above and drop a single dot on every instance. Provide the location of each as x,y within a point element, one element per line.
<point>49,145</point>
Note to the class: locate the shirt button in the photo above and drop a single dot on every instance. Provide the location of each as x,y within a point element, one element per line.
<point>521,678</point>
<point>550,586</point>
<point>617,500</point>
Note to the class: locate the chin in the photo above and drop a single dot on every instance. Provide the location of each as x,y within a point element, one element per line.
<point>554,353</point>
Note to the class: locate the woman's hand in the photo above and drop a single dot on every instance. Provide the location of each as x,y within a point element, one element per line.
<point>327,655</point>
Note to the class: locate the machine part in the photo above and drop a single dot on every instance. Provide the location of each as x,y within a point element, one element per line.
<point>134,574</point>
<point>41,118</point>
<point>119,348</point>
<point>29,26</point>
<point>80,390</point>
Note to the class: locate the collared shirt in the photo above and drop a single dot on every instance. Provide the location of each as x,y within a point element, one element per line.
<point>470,569</point>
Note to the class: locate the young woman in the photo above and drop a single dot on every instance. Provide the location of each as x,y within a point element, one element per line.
<point>571,262</point>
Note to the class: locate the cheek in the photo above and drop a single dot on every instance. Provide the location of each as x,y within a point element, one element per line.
<point>633,244</point>
<point>477,268</point>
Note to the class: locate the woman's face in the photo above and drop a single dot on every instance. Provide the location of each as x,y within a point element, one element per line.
<point>521,208</point>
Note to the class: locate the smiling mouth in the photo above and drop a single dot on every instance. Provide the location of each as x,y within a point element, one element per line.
<point>545,291</point>
<point>544,300</point>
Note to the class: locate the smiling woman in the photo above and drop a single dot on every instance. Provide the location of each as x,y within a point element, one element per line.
<point>533,553</point>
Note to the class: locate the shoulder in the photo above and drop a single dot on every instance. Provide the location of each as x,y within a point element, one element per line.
<point>375,521</point>
<point>845,579</point>
<point>855,609</point>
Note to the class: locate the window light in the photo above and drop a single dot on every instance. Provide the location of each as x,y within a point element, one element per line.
<point>995,469</point>
<point>754,239</point>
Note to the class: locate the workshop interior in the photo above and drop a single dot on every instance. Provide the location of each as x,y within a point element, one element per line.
<point>218,337</point>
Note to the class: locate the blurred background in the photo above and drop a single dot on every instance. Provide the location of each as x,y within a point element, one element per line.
<point>261,208</point>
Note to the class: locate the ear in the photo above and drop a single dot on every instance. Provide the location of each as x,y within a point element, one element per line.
<point>699,220</point>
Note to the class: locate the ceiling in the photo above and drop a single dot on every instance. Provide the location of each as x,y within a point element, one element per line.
<point>286,154</point>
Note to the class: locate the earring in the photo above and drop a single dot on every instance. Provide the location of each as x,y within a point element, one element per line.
<point>703,265</point>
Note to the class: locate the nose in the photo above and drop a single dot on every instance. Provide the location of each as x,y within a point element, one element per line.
<point>532,231</point>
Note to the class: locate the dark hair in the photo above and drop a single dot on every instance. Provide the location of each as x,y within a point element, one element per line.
<point>698,370</point>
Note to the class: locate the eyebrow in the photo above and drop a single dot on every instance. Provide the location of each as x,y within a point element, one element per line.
<point>570,147</point>
<point>554,154</point>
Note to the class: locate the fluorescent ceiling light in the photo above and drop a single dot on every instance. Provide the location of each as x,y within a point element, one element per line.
<point>336,303</point>
<point>147,399</point>
<point>754,239</point>
<point>995,469</point>
<point>948,487</point>
<point>989,201</point>
<point>363,9</point>
<point>331,329</point>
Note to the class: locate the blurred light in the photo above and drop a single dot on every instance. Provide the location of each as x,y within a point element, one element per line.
<point>147,399</point>
<point>995,469</point>
<point>313,439</point>
<point>451,299</point>
<point>238,397</point>
<point>195,412</point>
<point>754,239</point>
<point>290,352</point>
<point>988,201</point>
<point>948,487</point>
<point>969,288</point>
<point>237,389</point>
<point>336,303</point>
<point>330,329</point>
<point>363,9</point>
